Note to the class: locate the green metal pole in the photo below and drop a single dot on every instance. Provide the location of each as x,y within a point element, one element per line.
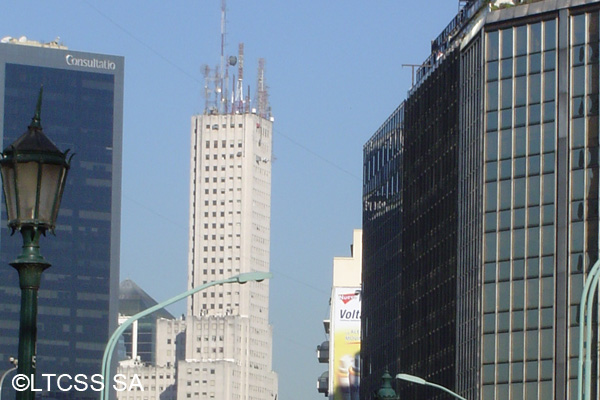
<point>113,340</point>
<point>584,319</point>
<point>587,377</point>
<point>30,265</point>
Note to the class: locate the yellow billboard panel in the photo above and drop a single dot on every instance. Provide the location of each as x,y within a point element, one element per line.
<point>346,343</point>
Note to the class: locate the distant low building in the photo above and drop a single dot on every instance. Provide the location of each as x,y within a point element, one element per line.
<point>140,339</point>
<point>341,351</point>
<point>158,382</point>
<point>151,345</point>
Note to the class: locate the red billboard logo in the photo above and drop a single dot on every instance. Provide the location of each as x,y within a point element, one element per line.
<point>345,298</point>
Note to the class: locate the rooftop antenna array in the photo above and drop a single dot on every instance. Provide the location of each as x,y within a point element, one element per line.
<point>217,96</point>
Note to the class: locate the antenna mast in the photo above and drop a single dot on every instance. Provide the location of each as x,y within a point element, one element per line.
<point>240,84</point>
<point>223,76</point>
<point>207,85</point>
<point>262,95</point>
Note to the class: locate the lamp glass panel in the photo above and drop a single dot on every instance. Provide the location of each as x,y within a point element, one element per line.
<point>27,184</point>
<point>8,180</point>
<point>49,188</point>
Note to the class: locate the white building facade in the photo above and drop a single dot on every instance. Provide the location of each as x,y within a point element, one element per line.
<point>228,345</point>
<point>223,348</point>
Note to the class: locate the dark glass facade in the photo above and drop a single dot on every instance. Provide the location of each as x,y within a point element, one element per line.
<point>523,174</point>
<point>470,221</point>
<point>429,226</point>
<point>381,218</point>
<point>78,298</point>
<point>409,273</point>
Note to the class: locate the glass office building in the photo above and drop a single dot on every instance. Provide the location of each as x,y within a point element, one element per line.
<point>382,211</point>
<point>522,271</point>
<point>81,111</point>
<point>526,213</point>
<point>409,273</point>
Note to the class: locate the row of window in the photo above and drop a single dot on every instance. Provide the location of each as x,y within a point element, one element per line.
<point>213,260</point>
<point>530,191</point>
<point>521,91</point>
<point>521,66</point>
<point>531,217</point>
<point>520,141</point>
<point>223,144</point>
<point>525,166</point>
<point>220,306</point>
<point>224,126</point>
<point>521,40</point>
<point>518,295</point>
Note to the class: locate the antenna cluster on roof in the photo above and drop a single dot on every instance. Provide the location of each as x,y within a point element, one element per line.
<point>218,99</point>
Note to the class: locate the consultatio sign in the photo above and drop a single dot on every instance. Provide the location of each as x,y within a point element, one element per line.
<point>90,62</point>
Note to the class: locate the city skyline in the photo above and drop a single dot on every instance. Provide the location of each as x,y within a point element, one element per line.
<point>334,74</point>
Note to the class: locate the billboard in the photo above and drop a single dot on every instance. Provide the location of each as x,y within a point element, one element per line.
<point>345,332</point>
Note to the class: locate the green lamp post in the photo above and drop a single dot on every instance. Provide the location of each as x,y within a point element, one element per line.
<point>386,392</point>
<point>34,171</point>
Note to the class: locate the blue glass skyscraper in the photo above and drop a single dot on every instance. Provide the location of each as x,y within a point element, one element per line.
<point>82,111</point>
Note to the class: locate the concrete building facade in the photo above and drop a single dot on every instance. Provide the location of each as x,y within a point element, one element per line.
<point>158,377</point>
<point>223,347</point>
<point>228,335</point>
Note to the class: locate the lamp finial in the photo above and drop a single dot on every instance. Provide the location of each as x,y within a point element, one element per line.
<point>36,120</point>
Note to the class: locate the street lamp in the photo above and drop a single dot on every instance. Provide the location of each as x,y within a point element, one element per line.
<point>421,381</point>
<point>584,370</point>
<point>386,392</point>
<point>33,171</point>
<point>14,362</point>
<point>256,276</point>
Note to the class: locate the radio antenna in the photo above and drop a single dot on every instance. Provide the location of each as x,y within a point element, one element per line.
<point>222,73</point>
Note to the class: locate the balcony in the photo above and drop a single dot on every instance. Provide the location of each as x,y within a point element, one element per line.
<point>323,383</point>
<point>323,352</point>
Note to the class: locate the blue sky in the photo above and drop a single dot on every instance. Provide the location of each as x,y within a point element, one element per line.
<point>334,73</point>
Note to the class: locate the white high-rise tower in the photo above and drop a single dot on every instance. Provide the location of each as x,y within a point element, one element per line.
<point>228,351</point>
